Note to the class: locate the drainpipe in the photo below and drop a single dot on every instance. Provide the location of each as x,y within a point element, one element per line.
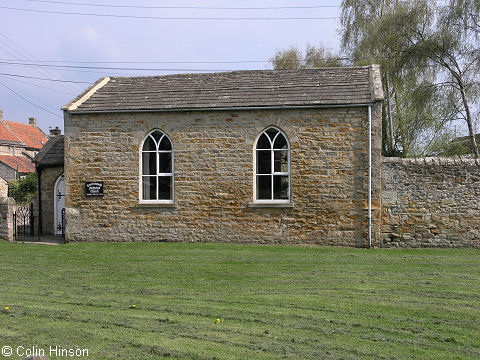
<point>369,176</point>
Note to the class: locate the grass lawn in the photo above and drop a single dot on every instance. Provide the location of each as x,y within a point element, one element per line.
<point>272,302</point>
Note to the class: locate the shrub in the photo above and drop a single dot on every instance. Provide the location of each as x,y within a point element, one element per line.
<point>24,189</point>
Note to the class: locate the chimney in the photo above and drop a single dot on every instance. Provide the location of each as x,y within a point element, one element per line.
<point>56,131</point>
<point>1,114</point>
<point>32,121</point>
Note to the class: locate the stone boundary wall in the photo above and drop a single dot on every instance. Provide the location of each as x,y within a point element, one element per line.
<point>7,207</point>
<point>430,202</point>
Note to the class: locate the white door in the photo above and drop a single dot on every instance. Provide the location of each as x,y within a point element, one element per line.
<point>59,204</point>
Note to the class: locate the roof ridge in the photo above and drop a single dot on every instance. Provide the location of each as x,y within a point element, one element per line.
<point>364,67</point>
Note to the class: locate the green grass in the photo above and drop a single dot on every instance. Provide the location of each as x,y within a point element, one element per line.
<point>273,302</point>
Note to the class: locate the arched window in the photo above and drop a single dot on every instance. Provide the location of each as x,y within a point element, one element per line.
<point>272,166</point>
<point>157,168</point>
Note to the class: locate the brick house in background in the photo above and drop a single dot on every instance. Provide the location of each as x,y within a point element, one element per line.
<point>13,168</point>
<point>19,143</point>
<point>246,156</point>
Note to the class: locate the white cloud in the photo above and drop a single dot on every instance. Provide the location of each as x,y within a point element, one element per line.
<point>88,43</point>
<point>89,34</point>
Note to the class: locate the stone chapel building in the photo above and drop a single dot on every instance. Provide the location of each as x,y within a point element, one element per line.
<point>245,156</point>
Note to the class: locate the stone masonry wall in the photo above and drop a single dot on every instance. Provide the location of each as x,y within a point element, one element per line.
<point>430,203</point>
<point>11,150</point>
<point>3,187</point>
<point>8,150</point>
<point>7,206</point>
<point>14,150</point>
<point>7,172</point>
<point>214,174</point>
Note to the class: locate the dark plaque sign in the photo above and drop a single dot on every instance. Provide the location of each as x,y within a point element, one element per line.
<point>94,188</point>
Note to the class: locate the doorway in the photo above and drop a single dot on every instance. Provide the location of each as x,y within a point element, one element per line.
<point>59,201</point>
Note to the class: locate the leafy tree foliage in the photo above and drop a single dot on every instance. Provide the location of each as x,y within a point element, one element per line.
<point>23,190</point>
<point>312,57</point>
<point>429,53</point>
<point>450,44</point>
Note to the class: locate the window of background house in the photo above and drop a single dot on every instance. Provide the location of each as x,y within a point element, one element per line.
<point>157,168</point>
<point>272,167</point>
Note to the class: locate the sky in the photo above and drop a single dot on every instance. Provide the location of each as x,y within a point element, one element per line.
<point>67,51</point>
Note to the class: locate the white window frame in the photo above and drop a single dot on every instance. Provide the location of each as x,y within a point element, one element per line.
<point>272,166</point>
<point>158,174</point>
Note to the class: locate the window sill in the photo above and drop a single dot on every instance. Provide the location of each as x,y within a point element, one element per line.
<point>155,205</point>
<point>288,205</point>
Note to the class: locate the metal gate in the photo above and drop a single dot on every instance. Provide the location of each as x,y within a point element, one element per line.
<point>24,224</point>
<point>61,225</point>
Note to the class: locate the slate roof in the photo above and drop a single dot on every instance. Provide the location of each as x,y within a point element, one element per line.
<point>466,139</point>
<point>238,89</point>
<point>52,153</point>
<point>22,163</point>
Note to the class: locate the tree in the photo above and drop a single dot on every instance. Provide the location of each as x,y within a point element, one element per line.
<point>23,190</point>
<point>447,42</point>
<point>313,57</point>
<point>369,36</point>
<point>430,60</point>
<point>467,12</point>
<point>451,45</point>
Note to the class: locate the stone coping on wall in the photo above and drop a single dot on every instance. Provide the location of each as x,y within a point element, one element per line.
<point>434,161</point>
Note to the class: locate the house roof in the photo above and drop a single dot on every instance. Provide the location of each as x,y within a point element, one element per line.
<point>31,136</point>
<point>466,143</point>
<point>238,89</point>
<point>22,163</point>
<point>467,138</point>
<point>52,153</point>
<point>7,136</point>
